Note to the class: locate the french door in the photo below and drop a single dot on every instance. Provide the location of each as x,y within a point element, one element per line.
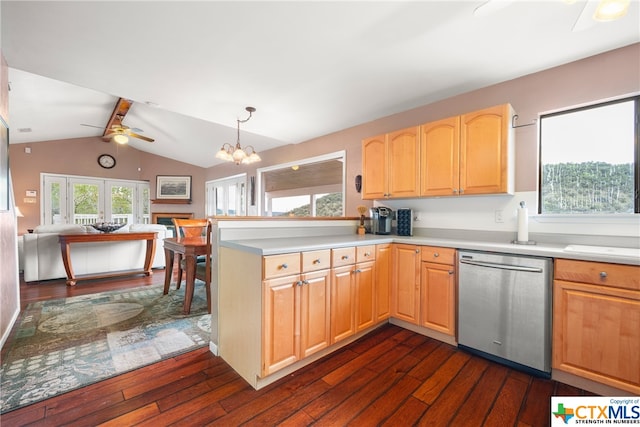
<point>86,200</point>
<point>227,196</point>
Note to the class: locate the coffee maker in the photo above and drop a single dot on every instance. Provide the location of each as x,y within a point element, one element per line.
<point>381,218</point>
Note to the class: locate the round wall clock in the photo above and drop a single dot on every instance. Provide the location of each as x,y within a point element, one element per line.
<point>107,161</point>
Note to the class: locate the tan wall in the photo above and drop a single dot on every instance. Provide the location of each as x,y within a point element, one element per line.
<point>80,158</point>
<point>9,285</point>
<point>610,74</point>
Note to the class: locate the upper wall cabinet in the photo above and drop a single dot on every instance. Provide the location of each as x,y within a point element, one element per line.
<point>469,154</point>
<point>391,165</point>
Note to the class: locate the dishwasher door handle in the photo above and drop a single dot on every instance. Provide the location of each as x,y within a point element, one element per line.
<point>501,266</point>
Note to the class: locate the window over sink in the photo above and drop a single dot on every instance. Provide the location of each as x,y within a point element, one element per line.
<point>589,159</point>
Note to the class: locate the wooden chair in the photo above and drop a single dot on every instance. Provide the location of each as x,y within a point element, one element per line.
<point>195,228</point>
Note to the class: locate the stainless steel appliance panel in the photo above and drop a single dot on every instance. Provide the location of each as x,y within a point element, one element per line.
<point>505,307</point>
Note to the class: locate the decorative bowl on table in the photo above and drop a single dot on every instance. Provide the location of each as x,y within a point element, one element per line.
<point>107,227</point>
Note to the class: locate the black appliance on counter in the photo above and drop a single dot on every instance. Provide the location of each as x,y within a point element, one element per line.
<point>404,222</point>
<point>381,218</point>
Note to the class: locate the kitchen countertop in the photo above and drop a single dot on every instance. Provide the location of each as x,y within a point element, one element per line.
<point>275,246</point>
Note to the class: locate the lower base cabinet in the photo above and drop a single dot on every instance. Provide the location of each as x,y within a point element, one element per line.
<point>596,322</point>
<point>424,287</point>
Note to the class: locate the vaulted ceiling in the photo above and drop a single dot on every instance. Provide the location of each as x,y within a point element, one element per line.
<point>309,68</point>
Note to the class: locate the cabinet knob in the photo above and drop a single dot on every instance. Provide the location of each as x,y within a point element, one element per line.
<point>316,261</point>
<point>367,254</point>
<point>345,256</point>
<point>417,251</point>
<point>461,190</point>
<point>299,283</point>
<point>436,255</point>
<point>357,270</point>
<point>284,266</point>
<point>603,274</point>
<point>450,272</point>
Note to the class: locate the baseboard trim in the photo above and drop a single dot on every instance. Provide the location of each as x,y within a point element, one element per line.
<point>7,332</point>
<point>213,348</point>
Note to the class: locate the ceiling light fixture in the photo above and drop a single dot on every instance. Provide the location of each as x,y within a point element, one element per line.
<point>120,138</point>
<point>237,154</point>
<point>609,10</point>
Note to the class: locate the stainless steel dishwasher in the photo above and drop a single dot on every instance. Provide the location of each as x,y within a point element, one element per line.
<point>504,310</point>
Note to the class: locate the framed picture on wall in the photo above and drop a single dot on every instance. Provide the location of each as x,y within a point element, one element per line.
<point>4,166</point>
<point>173,187</point>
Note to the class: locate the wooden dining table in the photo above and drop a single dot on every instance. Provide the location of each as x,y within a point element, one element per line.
<point>188,248</point>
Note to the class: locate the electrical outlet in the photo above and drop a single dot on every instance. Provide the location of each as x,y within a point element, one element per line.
<point>416,216</point>
<point>499,216</point>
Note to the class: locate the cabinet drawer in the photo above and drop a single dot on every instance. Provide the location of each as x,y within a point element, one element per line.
<point>438,255</point>
<point>343,256</point>
<point>365,253</point>
<point>598,273</point>
<point>280,265</point>
<point>316,260</point>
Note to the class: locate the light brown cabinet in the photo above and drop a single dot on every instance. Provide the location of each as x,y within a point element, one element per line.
<point>438,290</point>
<point>383,282</point>
<point>391,165</point>
<point>353,292</point>
<point>596,322</point>
<point>468,154</point>
<point>405,287</point>
<point>296,308</point>
<point>423,287</point>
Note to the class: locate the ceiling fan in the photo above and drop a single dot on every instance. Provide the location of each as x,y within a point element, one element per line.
<point>121,133</point>
<point>115,130</point>
<point>593,10</point>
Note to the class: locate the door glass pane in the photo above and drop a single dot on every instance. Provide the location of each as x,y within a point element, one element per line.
<point>232,200</point>
<point>219,201</point>
<point>85,203</point>
<point>145,199</point>
<point>122,204</point>
<point>55,212</point>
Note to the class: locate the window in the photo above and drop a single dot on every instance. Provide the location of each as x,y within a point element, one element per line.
<point>589,159</point>
<point>308,187</point>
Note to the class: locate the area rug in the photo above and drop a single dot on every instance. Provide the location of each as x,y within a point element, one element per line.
<point>61,345</point>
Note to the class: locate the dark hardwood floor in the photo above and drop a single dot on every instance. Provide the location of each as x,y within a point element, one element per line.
<point>391,377</point>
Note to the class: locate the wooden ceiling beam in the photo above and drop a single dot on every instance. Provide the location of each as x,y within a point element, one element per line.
<point>119,112</point>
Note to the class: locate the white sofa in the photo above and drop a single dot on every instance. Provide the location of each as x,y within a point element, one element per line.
<point>42,257</point>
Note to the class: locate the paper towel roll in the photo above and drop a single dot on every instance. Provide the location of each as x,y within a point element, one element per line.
<point>523,225</point>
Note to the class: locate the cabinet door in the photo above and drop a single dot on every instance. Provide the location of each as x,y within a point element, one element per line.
<point>374,167</point>
<point>405,288</point>
<point>365,295</point>
<point>438,299</point>
<point>440,157</point>
<point>281,313</point>
<point>596,333</point>
<point>342,303</point>
<point>315,303</point>
<point>484,156</point>
<point>383,282</point>
<point>404,163</point>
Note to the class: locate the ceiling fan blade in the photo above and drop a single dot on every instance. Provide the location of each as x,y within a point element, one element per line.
<point>585,20</point>
<point>489,7</point>
<point>144,138</point>
<point>92,126</point>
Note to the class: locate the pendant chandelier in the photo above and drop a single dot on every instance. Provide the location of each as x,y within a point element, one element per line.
<point>237,154</point>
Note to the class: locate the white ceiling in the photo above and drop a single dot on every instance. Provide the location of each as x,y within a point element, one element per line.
<point>309,68</point>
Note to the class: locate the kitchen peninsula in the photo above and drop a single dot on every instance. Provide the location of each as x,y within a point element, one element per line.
<point>305,288</point>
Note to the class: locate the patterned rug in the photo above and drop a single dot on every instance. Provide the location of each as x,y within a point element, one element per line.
<point>61,345</point>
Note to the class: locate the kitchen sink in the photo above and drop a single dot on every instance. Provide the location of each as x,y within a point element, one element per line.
<point>604,250</point>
